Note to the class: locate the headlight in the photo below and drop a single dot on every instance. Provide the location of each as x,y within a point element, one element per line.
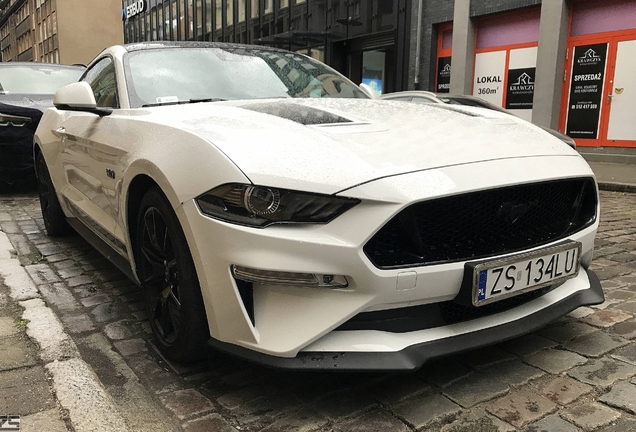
<point>260,206</point>
<point>13,120</point>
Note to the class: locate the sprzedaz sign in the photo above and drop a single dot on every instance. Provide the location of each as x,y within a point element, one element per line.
<point>586,91</point>
<point>443,74</point>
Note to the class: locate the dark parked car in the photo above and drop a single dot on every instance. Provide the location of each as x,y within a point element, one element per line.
<point>26,90</point>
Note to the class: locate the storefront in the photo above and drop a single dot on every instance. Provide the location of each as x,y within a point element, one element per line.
<point>504,63</point>
<point>599,102</point>
<point>364,39</point>
<point>586,62</point>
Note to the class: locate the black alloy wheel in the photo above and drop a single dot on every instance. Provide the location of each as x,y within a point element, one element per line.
<point>160,276</point>
<point>54,218</point>
<point>169,281</point>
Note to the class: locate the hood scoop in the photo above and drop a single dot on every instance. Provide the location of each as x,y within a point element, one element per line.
<point>305,115</point>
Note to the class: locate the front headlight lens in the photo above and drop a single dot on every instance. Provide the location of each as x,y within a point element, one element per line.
<point>260,206</point>
<point>13,120</point>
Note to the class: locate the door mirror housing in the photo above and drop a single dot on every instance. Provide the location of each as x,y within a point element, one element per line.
<point>78,97</point>
<point>366,88</point>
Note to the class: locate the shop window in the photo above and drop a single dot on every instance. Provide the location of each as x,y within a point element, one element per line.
<point>516,28</point>
<point>447,39</point>
<point>373,63</point>
<point>598,17</point>
<point>199,18</point>
<point>229,11</point>
<point>385,7</point>
<point>217,14</point>
<point>208,16</point>
<point>254,8</point>
<point>241,10</point>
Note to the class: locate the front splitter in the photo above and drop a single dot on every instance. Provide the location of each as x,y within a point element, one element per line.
<point>415,356</point>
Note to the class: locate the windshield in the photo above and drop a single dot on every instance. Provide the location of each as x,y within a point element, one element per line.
<point>181,74</point>
<point>40,79</point>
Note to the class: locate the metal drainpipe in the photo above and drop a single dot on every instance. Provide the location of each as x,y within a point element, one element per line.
<point>418,44</point>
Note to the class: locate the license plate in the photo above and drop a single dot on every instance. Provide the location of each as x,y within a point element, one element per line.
<point>496,280</point>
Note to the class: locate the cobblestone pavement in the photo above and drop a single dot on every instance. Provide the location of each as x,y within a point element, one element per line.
<point>576,374</point>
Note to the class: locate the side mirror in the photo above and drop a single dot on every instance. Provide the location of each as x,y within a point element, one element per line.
<point>366,89</point>
<point>78,97</point>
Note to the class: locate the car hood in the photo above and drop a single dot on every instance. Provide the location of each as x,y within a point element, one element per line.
<point>329,145</point>
<point>26,105</point>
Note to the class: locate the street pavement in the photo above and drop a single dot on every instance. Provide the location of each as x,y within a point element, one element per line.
<point>77,355</point>
<point>615,176</point>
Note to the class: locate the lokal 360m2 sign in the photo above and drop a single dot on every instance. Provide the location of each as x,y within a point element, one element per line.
<point>135,8</point>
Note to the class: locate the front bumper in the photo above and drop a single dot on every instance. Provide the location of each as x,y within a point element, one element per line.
<point>16,154</point>
<point>288,321</point>
<point>414,356</point>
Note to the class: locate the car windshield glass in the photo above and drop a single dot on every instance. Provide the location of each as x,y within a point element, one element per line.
<point>41,79</point>
<point>182,74</point>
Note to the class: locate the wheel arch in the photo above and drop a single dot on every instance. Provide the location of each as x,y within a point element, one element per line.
<point>138,187</point>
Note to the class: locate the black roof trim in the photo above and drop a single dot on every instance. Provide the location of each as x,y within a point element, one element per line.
<point>140,46</point>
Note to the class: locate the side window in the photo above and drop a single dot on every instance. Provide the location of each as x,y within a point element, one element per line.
<point>101,78</point>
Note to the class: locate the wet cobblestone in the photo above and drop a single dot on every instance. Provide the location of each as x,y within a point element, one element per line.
<point>579,372</point>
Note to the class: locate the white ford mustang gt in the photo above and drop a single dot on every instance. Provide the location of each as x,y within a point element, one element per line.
<point>268,207</point>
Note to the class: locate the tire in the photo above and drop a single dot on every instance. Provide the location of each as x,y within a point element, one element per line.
<point>54,218</point>
<point>169,281</point>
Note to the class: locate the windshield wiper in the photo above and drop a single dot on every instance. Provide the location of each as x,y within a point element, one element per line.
<point>183,102</point>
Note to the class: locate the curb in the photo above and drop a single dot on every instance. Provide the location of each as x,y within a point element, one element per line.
<point>77,387</point>
<point>617,187</point>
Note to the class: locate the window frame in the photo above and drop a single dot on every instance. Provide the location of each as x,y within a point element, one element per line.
<point>83,78</point>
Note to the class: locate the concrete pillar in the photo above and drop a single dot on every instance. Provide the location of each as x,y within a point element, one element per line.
<point>553,33</point>
<point>463,57</point>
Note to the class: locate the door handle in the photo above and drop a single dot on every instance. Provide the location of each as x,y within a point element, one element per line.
<point>60,133</point>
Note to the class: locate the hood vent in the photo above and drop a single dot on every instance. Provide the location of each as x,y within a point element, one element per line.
<point>302,114</point>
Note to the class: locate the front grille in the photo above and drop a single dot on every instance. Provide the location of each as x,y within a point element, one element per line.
<point>485,223</point>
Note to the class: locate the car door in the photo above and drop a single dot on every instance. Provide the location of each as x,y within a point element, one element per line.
<point>90,161</point>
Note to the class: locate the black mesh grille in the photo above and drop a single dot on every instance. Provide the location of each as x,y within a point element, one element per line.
<point>485,223</point>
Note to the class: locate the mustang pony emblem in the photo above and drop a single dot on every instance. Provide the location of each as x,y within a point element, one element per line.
<point>512,212</point>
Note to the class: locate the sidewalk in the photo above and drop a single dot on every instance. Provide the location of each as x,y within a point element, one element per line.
<point>614,176</point>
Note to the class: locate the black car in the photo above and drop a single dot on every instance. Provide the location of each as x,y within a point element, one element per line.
<point>26,91</point>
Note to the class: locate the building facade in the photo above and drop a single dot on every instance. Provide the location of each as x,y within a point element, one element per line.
<point>366,40</point>
<point>58,31</point>
<point>564,64</point>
